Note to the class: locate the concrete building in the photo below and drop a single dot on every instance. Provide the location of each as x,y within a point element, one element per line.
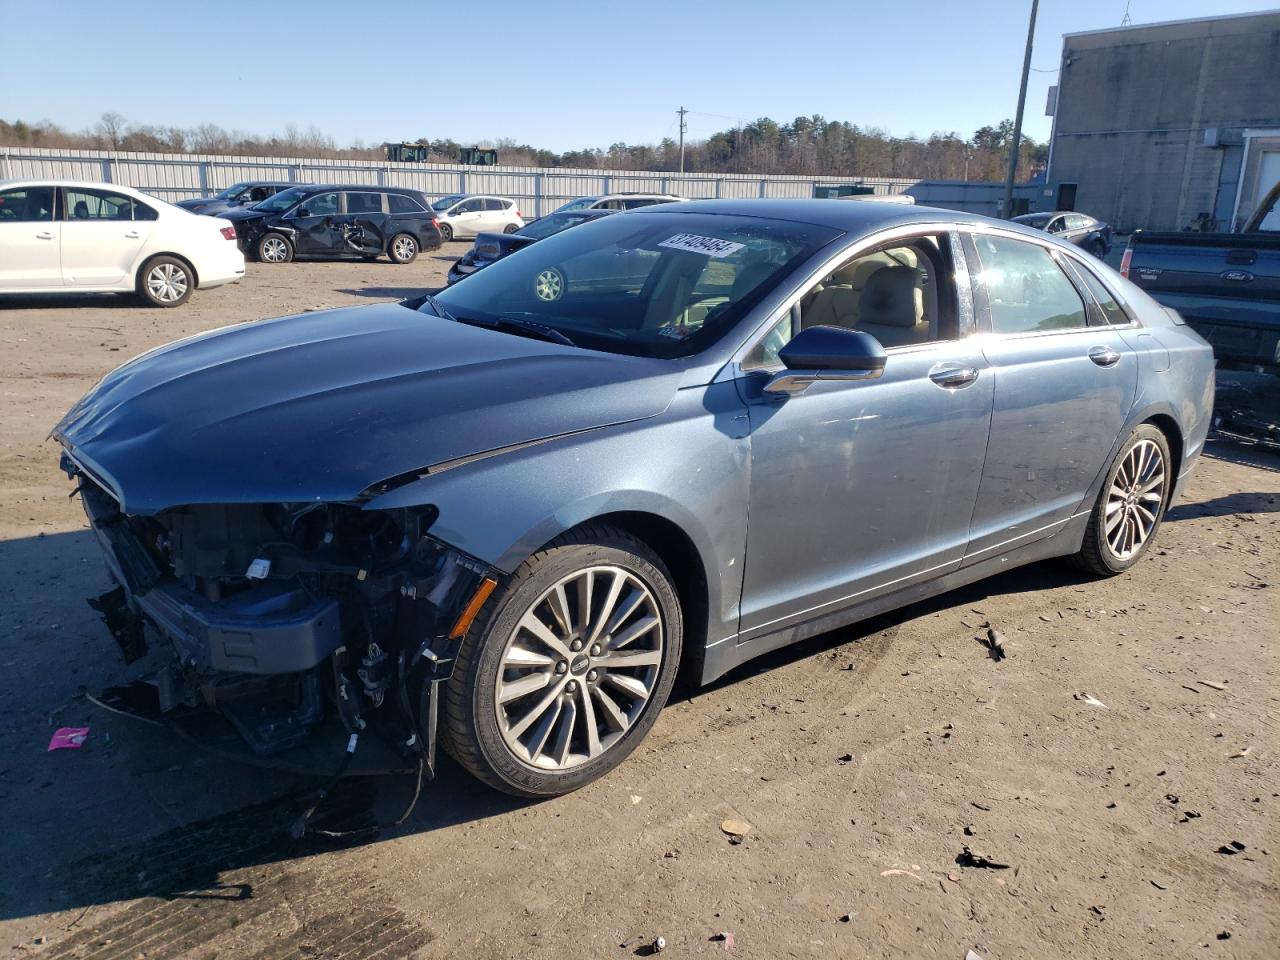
<point>1167,125</point>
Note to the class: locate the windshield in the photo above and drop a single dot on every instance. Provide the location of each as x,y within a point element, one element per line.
<point>444,203</point>
<point>1037,221</point>
<point>282,201</point>
<point>582,203</point>
<point>648,284</point>
<point>554,223</point>
<point>231,192</point>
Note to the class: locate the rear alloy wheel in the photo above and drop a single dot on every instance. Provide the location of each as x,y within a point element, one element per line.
<point>566,668</point>
<point>1130,506</point>
<point>446,233</point>
<point>274,248</point>
<point>402,248</point>
<point>510,228</point>
<point>165,282</point>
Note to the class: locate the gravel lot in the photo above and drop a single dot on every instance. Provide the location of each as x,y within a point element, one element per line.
<point>1116,822</point>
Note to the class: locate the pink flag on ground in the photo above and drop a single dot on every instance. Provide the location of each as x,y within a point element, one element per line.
<point>68,738</point>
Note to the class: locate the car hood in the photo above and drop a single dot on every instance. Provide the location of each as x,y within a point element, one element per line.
<point>322,406</point>
<point>243,213</point>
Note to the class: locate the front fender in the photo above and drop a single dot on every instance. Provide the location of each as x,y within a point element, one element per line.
<point>688,466</point>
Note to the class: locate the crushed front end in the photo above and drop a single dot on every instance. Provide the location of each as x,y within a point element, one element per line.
<point>287,618</point>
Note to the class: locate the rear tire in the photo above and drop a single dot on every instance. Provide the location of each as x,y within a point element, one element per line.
<point>511,228</point>
<point>540,710</point>
<point>273,248</point>
<point>446,233</point>
<point>165,282</point>
<point>1130,506</point>
<point>403,248</point>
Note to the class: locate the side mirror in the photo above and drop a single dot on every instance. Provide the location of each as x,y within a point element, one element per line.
<point>827,353</point>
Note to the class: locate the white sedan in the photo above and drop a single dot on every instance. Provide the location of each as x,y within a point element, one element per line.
<point>64,236</point>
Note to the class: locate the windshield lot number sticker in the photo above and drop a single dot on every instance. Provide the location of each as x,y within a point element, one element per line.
<point>707,246</point>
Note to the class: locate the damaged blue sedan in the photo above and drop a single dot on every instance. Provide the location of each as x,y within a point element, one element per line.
<point>507,515</point>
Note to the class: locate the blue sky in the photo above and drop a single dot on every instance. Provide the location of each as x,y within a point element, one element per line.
<point>560,74</point>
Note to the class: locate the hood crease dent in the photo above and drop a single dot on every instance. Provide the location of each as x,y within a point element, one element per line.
<point>322,406</point>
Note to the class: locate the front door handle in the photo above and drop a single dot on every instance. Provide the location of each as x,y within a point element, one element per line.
<point>1104,356</point>
<point>951,377</point>
<point>46,235</point>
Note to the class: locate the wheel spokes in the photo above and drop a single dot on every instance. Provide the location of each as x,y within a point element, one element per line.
<point>566,690</point>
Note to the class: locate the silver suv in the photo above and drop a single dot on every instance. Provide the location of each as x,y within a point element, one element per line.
<point>619,201</point>
<point>468,214</point>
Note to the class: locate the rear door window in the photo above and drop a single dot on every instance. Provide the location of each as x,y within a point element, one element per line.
<point>364,203</point>
<point>26,205</point>
<point>1026,290</point>
<point>493,204</point>
<point>98,205</point>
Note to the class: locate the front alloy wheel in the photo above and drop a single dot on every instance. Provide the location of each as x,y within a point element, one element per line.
<point>274,248</point>
<point>567,666</point>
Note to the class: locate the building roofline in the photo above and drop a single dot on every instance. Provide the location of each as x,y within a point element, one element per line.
<point>1172,23</point>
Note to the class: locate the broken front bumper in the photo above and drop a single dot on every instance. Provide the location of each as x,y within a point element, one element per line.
<point>314,643</point>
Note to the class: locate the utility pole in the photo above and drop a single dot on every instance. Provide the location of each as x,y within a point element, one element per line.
<point>682,111</point>
<point>1017,120</point>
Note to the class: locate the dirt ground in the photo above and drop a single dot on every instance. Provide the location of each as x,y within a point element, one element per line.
<point>866,760</point>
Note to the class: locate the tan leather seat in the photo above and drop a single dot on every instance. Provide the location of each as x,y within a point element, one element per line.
<point>891,308</point>
<point>838,303</point>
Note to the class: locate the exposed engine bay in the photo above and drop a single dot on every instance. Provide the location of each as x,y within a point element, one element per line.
<point>284,617</point>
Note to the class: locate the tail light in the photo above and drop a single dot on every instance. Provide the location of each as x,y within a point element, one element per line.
<point>519,215</point>
<point>1124,262</point>
<point>229,232</point>
<point>435,222</point>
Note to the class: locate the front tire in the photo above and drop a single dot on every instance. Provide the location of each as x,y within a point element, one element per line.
<point>274,248</point>
<point>567,666</point>
<point>165,282</point>
<point>1130,506</point>
<point>1099,249</point>
<point>403,248</point>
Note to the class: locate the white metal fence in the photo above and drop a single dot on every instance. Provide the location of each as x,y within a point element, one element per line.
<point>538,190</point>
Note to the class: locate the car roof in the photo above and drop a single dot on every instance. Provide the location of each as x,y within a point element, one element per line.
<point>367,187</point>
<point>824,213</point>
<point>630,193</point>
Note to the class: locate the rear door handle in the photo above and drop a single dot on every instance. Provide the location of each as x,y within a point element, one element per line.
<point>45,235</point>
<point>1104,356</point>
<point>132,235</point>
<point>951,377</point>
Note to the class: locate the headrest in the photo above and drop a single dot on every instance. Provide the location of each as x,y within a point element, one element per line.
<point>892,298</point>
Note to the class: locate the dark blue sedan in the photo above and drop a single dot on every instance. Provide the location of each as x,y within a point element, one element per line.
<point>684,435</point>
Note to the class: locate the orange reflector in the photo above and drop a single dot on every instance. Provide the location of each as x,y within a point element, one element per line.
<point>473,607</point>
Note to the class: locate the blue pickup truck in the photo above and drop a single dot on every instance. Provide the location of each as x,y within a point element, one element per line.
<point>1227,287</point>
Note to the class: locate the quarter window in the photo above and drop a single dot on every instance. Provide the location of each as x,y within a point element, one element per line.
<point>1112,310</point>
<point>1026,289</point>
<point>402,204</point>
<point>28,205</point>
